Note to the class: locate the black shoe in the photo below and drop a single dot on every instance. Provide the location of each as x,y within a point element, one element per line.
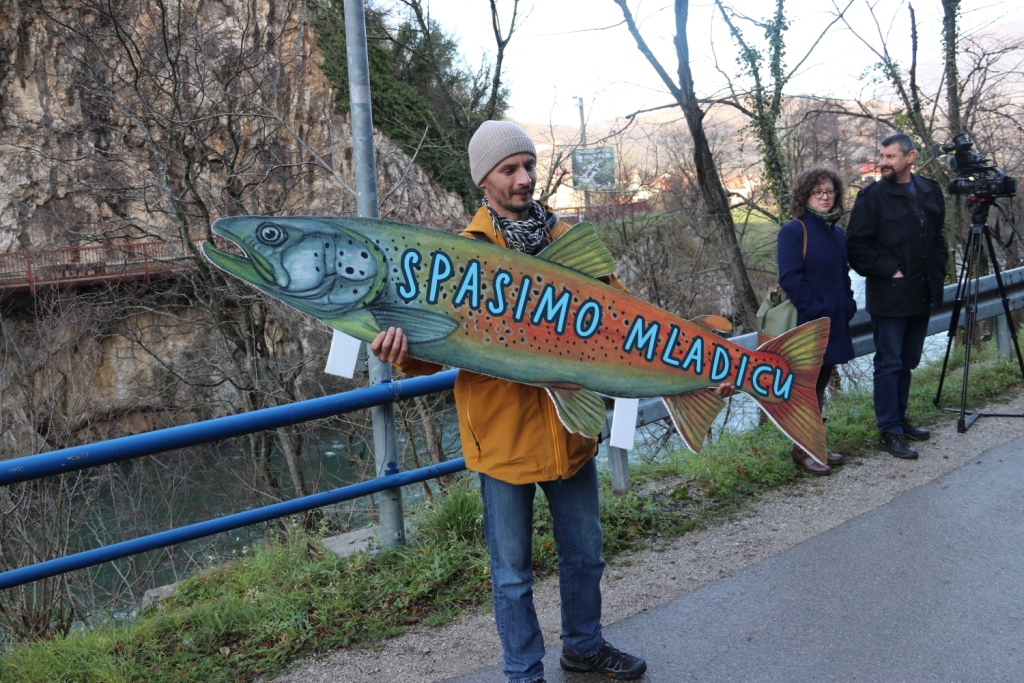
<point>608,661</point>
<point>896,444</point>
<point>914,433</point>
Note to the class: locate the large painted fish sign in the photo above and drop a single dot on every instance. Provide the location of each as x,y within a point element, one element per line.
<point>543,320</point>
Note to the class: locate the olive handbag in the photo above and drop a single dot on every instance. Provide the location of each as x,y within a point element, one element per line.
<point>777,314</point>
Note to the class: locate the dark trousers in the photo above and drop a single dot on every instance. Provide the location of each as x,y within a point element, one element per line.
<point>824,375</point>
<point>898,346</point>
<point>508,528</point>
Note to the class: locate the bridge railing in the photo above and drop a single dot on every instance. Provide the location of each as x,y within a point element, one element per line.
<point>79,266</point>
<point>139,445</point>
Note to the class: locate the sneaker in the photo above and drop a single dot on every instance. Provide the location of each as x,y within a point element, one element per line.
<point>914,433</point>
<point>608,661</point>
<point>896,445</point>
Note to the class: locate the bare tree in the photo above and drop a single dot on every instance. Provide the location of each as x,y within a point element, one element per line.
<point>978,75</point>
<point>708,178</point>
<point>762,102</point>
<point>501,40</point>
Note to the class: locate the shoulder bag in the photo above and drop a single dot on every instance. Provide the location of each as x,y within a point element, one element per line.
<point>777,314</point>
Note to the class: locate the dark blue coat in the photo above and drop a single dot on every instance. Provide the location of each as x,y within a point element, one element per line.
<point>820,286</point>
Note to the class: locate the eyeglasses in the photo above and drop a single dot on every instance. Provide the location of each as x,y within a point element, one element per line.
<point>820,194</point>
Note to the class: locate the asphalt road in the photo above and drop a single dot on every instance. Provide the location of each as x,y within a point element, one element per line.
<point>929,587</point>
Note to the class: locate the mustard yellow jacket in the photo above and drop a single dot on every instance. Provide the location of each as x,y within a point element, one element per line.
<point>511,431</point>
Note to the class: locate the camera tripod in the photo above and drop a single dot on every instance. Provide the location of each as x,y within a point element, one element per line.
<point>967,292</point>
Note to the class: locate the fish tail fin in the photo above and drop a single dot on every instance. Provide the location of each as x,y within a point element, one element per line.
<point>798,417</point>
<point>692,414</point>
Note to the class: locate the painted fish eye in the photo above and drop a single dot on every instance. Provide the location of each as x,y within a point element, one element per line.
<point>270,234</point>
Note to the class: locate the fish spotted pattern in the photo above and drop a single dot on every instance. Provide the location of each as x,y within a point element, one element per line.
<point>544,320</point>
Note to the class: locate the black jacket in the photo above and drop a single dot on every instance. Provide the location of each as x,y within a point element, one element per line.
<point>892,230</point>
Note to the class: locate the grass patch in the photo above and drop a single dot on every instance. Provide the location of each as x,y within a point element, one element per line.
<point>286,599</point>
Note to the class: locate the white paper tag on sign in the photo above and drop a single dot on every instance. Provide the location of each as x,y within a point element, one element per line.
<point>341,360</point>
<point>624,423</point>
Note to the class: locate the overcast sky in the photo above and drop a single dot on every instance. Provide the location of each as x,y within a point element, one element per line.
<point>568,48</point>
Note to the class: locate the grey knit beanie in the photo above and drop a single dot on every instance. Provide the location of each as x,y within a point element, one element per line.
<point>494,141</point>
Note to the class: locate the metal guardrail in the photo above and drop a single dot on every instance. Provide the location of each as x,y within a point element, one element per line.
<point>159,441</point>
<point>125,448</point>
<point>89,558</point>
<point>138,445</point>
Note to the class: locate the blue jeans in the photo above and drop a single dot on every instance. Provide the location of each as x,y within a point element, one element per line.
<point>898,346</point>
<point>508,528</point>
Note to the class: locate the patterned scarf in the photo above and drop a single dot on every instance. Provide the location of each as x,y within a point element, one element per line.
<point>529,236</point>
<point>830,216</point>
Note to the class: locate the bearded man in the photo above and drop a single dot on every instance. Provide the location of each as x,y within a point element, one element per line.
<point>512,437</point>
<point>895,240</point>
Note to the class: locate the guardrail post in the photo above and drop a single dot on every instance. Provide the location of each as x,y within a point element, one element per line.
<point>1002,336</point>
<point>385,455</point>
<point>618,462</point>
<point>385,436</point>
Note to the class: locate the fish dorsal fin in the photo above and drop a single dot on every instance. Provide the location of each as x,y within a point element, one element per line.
<point>581,250</point>
<point>419,326</point>
<point>713,322</point>
<point>580,410</point>
<point>692,414</point>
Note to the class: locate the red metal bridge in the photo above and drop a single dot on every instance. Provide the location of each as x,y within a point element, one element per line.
<point>80,266</point>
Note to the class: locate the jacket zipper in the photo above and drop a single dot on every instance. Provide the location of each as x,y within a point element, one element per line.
<point>920,219</point>
<point>469,419</point>
<point>555,441</point>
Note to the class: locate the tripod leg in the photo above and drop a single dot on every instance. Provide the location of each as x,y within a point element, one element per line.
<point>1005,300</point>
<point>954,320</point>
<point>972,262</point>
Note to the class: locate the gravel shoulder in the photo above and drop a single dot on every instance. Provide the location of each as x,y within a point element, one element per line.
<point>635,582</point>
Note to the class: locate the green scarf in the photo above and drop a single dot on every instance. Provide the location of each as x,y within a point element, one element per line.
<point>831,216</point>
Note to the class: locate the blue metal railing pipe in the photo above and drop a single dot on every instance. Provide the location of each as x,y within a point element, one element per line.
<point>137,445</point>
<point>88,558</point>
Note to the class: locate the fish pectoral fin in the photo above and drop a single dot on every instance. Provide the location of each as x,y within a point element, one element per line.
<point>580,410</point>
<point>581,250</point>
<point>713,322</point>
<point>359,324</point>
<point>692,414</point>
<point>419,326</point>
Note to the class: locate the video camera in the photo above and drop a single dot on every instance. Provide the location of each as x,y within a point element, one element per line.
<point>974,176</point>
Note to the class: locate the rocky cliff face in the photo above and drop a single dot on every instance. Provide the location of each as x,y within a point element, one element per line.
<point>137,121</point>
<point>124,120</point>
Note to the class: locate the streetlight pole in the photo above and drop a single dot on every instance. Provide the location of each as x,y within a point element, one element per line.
<point>385,435</point>
<point>583,145</point>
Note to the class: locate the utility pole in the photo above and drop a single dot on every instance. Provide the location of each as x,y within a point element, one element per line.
<point>583,145</point>
<point>385,436</point>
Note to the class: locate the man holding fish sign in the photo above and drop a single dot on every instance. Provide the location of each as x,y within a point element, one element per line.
<point>530,310</point>
<point>513,437</point>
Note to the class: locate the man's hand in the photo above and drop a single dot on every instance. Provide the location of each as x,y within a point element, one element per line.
<point>391,346</point>
<point>723,390</point>
<point>899,273</point>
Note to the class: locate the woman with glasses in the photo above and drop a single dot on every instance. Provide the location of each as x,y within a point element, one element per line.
<point>814,273</point>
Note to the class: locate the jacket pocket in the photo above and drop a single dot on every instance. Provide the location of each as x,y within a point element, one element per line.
<point>906,282</point>
<point>892,229</point>
<point>932,210</point>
